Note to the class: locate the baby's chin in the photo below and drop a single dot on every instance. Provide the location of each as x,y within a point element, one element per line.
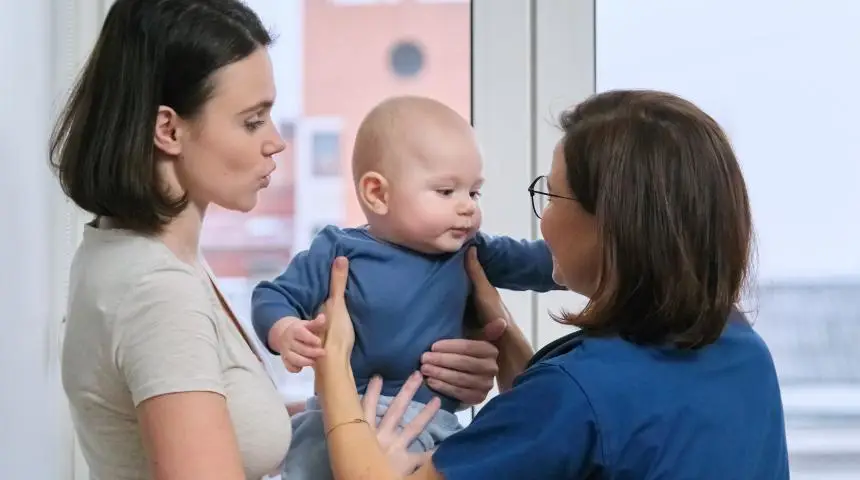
<point>447,245</point>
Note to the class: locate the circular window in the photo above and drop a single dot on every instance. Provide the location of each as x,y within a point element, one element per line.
<point>406,59</point>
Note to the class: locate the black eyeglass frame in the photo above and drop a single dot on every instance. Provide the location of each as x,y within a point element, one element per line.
<point>533,192</point>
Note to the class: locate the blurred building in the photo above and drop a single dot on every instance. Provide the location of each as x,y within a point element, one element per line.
<point>357,53</point>
<point>354,54</point>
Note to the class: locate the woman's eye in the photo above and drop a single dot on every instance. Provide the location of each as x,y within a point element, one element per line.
<point>254,125</point>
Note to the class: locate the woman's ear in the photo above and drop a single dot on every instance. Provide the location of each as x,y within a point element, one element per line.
<point>167,131</point>
<point>373,192</point>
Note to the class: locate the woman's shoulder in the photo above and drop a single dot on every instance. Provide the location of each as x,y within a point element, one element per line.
<point>614,368</point>
<point>116,265</point>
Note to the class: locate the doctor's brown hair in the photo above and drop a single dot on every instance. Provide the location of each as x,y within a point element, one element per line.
<point>672,210</point>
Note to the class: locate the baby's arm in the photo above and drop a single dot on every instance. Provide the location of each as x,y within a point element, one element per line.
<point>516,264</point>
<point>296,294</point>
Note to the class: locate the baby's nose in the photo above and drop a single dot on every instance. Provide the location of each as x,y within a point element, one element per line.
<point>466,208</point>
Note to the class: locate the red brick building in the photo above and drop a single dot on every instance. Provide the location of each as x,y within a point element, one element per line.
<point>355,53</point>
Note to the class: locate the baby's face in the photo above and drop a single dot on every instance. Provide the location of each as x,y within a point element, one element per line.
<point>434,195</point>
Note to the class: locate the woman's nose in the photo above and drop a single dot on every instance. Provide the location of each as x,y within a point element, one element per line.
<point>275,145</point>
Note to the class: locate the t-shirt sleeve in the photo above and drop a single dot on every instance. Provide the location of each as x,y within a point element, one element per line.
<point>544,427</point>
<point>165,338</point>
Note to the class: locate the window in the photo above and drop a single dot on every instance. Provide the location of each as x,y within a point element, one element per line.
<point>407,59</point>
<point>325,154</point>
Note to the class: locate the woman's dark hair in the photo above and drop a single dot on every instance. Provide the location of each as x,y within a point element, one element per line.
<point>672,212</point>
<point>149,53</point>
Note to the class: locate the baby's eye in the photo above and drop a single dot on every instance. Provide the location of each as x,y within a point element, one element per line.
<point>475,195</point>
<point>445,192</point>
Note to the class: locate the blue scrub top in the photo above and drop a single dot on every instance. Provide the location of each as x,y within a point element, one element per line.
<point>601,408</point>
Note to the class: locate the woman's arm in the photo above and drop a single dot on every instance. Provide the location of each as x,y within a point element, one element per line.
<point>354,451</point>
<point>514,349</point>
<point>514,353</point>
<point>189,435</point>
<point>167,354</point>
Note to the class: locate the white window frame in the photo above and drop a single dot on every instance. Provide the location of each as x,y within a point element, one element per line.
<point>564,76</point>
<point>319,199</point>
<point>517,50</point>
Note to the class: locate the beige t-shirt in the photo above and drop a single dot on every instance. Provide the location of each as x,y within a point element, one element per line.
<point>142,323</point>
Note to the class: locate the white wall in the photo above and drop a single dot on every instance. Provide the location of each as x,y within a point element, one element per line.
<point>33,433</point>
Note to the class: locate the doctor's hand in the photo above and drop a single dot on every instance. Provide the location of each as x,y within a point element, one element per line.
<point>395,441</point>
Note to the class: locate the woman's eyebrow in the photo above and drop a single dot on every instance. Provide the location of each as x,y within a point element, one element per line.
<point>261,105</point>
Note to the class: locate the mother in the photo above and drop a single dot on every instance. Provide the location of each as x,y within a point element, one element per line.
<point>172,114</point>
<point>647,214</point>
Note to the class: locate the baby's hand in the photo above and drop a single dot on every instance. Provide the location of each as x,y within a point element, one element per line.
<point>300,343</point>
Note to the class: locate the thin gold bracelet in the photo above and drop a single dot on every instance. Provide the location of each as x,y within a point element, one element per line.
<point>354,420</point>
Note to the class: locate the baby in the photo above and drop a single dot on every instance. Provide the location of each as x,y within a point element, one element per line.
<point>418,175</point>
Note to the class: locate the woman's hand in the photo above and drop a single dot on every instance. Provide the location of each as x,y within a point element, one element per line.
<point>488,303</point>
<point>462,368</point>
<point>338,336</point>
<point>394,440</point>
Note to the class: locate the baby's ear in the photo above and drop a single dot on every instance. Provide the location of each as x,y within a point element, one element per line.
<point>373,192</point>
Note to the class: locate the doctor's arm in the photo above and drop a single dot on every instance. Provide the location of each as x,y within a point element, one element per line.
<point>544,420</point>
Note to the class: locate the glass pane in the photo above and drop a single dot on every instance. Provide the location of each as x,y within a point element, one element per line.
<point>779,79</point>
<point>333,60</point>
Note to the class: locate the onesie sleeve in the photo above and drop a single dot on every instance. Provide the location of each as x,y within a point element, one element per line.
<point>299,290</point>
<point>516,264</point>
<point>544,427</point>
<point>164,336</point>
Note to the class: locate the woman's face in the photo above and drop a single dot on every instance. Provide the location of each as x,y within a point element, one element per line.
<point>226,153</point>
<point>570,232</point>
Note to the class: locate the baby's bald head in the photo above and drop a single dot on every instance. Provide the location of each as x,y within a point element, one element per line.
<point>418,171</point>
<point>398,132</point>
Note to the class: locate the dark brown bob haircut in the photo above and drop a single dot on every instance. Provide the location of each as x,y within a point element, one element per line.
<point>664,185</point>
<point>149,53</point>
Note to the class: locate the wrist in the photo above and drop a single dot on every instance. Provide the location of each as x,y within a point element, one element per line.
<point>333,363</point>
<point>334,383</point>
<point>336,346</point>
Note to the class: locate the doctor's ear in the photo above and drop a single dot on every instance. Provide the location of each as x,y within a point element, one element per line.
<point>373,192</point>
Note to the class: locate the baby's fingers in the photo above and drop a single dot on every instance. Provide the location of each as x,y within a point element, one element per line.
<point>294,362</point>
<point>308,351</point>
<point>305,335</point>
